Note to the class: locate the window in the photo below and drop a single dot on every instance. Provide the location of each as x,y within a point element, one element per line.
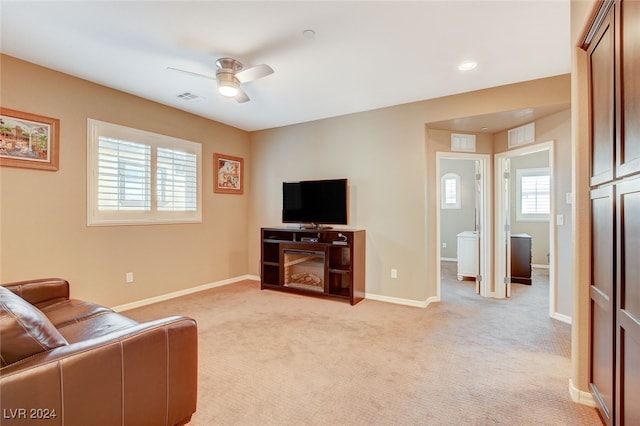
<point>533,198</point>
<point>138,177</point>
<point>450,191</point>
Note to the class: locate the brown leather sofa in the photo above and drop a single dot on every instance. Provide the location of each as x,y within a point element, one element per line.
<point>70,362</point>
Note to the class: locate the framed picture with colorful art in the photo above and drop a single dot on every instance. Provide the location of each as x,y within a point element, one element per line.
<point>228,174</point>
<point>28,140</point>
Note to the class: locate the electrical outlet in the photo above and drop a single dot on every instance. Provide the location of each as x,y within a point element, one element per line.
<point>444,245</point>
<point>129,277</point>
<point>394,273</point>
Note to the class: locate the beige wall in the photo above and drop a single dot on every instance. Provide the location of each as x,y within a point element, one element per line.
<point>389,157</point>
<point>557,127</point>
<point>581,12</point>
<point>43,214</point>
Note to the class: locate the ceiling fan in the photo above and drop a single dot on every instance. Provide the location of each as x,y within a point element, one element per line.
<point>229,76</point>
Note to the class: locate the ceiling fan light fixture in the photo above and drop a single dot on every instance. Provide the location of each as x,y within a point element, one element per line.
<point>229,91</point>
<point>228,85</point>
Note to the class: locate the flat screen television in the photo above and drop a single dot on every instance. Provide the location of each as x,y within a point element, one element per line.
<point>315,202</point>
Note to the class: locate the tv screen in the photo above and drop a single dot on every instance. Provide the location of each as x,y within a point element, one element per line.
<point>315,202</point>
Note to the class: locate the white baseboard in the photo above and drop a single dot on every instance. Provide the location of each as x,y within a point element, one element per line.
<point>448,259</point>
<point>179,293</point>
<point>400,301</point>
<point>191,290</point>
<point>581,397</point>
<point>561,317</point>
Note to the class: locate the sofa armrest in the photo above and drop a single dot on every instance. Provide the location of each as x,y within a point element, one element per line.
<point>40,290</point>
<point>146,374</point>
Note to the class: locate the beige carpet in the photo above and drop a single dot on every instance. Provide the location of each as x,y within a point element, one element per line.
<point>270,358</point>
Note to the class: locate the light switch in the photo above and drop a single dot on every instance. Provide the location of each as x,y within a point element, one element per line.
<point>560,219</point>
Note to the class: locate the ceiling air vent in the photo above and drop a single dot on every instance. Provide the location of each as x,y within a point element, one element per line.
<point>190,97</point>
<point>464,143</point>
<point>522,135</point>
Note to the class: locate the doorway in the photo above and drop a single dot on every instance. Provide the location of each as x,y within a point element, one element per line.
<point>510,215</point>
<point>463,195</point>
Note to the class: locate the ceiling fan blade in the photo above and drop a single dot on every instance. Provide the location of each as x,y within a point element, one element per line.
<point>254,73</point>
<point>242,97</point>
<point>192,73</point>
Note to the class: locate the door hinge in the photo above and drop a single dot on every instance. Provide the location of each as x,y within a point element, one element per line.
<point>479,278</point>
<point>507,175</point>
<point>507,280</point>
<point>507,228</point>
<point>478,176</point>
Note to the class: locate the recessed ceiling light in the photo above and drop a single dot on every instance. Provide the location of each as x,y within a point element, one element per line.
<point>484,129</point>
<point>466,66</point>
<point>308,34</point>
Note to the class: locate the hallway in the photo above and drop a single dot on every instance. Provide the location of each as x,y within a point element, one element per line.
<point>519,326</point>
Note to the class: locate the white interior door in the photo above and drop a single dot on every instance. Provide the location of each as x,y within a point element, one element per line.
<point>478,221</point>
<point>506,176</point>
<point>503,227</point>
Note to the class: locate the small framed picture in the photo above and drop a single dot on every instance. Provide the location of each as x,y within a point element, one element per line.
<point>228,174</point>
<point>28,140</point>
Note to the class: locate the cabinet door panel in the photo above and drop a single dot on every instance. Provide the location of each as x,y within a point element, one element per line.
<point>602,362</point>
<point>628,86</point>
<point>628,375</point>
<point>601,72</point>
<point>629,247</point>
<point>602,298</point>
<point>628,302</point>
<point>602,240</point>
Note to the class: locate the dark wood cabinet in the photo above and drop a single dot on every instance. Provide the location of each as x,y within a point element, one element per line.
<point>613,44</point>
<point>326,263</point>
<point>521,258</point>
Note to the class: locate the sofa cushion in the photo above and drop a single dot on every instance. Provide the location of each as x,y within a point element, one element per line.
<point>40,290</point>
<point>24,329</point>
<point>63,312</point>
<point>95,326</point>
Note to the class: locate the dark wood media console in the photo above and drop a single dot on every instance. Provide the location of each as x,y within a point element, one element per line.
<point>326,263</point>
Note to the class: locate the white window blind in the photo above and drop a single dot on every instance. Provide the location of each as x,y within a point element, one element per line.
<point>124,175</point>
<point>534,194</point>
<point>138,177</point>
<point>176,180</point>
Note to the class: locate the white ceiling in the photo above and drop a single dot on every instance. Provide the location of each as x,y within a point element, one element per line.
<point>365,55</point>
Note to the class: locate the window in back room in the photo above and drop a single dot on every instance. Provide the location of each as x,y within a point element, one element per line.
<point>533,197</point>
<point>450,191</point>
